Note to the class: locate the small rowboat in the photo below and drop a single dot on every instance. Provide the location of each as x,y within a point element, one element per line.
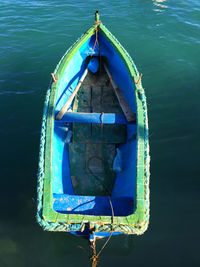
<point>94,155</point>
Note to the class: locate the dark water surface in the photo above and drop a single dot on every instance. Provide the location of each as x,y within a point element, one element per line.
<point>163,38</point>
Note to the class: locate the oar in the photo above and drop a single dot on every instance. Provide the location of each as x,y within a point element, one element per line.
<point>130,116</point>
<point>70,99</point>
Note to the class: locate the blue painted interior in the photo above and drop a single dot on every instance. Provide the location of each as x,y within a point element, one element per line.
<point>65,200</point>
<point>93,65</point>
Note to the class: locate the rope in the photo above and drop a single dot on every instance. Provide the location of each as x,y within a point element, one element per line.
<point>95,256</point>
<point>54,78</point>
<point>111,230</point>
<point>96,42</point>
<point>139,79</point>
<point>97,22</point>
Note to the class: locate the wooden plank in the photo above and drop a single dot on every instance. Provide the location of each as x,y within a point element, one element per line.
<point>70,99</point>
<point>130,116</point>
<point>105,133</point>
<point>99,118</point>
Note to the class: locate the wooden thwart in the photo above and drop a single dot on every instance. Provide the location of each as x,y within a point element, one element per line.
<point>98,118</point>
<point>130,116</point>
<point>69,101</point>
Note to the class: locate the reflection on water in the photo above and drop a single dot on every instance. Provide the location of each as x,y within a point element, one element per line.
<point>160,7</point>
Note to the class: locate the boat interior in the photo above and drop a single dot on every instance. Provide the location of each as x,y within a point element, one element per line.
<point>94,146</point>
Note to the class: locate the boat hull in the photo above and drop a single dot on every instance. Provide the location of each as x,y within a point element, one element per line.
<point>59,209</point>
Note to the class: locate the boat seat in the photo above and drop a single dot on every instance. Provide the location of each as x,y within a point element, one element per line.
<point>99,118</point>
<point>92,205</point>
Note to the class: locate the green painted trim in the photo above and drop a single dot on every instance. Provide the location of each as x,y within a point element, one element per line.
<point>135,223</point>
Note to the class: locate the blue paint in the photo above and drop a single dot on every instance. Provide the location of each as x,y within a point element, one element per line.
<point>92,205</point>
<point>106,118</point>
<point>93,65</point>
<point>61,172</point>
<point>125,179</point>
<point>123,194</point>
<point>117,164</point>
<point>87,234</point>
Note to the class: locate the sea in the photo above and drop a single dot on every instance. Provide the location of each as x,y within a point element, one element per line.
<point>163,39</point>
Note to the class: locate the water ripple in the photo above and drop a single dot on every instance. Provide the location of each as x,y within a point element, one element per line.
<point>5,92</point>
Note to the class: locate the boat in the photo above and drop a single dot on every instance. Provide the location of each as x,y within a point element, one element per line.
<point>93,178</point>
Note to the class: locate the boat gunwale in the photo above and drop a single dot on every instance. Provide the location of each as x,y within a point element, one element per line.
<point>139,220</point>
